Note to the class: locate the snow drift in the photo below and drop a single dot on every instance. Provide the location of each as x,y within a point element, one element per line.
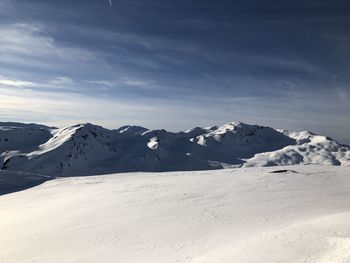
<point>87,149</point>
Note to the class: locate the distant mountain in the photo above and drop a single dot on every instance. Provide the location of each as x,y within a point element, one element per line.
<point>7,125</point>
<point>87,149</point>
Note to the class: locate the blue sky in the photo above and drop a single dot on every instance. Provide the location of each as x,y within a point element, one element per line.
<point>177,64</point>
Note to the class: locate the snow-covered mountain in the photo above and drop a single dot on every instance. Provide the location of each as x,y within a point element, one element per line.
<point>87,149</point>
<point>309,149</point>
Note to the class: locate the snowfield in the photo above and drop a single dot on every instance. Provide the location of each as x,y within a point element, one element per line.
<point>233,215</point>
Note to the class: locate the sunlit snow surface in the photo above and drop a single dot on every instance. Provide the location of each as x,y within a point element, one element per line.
<point>234,215</point>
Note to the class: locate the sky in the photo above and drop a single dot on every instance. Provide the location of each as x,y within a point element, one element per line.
<point>177,64</point>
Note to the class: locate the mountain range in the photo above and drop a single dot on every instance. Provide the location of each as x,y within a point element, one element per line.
<point>87,149</point>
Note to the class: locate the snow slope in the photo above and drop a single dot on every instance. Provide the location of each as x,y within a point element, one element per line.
<point>19,138</point>
<point>309,149</point>
<point>87,149</point>
<point>245,215</point>
<point>24,136</point>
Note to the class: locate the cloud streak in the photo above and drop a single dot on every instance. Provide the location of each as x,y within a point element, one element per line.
<point>16,83</point>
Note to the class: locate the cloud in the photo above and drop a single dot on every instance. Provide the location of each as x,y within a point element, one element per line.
<point>135,83</point>
<point>62,81</point>
<point>28,45</point>
<point>17,83</point>
<point>25,47</point>
<point>119,83</point>
<point>55,84</point>
<point>25,39</point>
<point>102,82</point>
<point>66,109</point>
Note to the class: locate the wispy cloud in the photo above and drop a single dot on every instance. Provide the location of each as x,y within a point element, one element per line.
<point>102,82</point>
<point>16,83</point>
<point>136,83</point>
<point>123,82</point>
<point>62,81</point>
<point>29,45</point>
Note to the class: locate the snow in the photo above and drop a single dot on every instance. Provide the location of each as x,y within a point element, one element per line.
<point>22,137</point>
<point>87,149</point>
<point>60,136</point>
<point>128,129</point>
<point>244,215</point>
<point>309,149</point>
<point>153,143</point>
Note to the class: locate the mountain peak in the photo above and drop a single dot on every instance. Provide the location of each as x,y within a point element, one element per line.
<point>132,129</point>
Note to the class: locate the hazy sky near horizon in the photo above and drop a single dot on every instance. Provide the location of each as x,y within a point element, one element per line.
<point>177,64</point>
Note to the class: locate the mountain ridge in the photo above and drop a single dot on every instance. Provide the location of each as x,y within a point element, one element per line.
<point>86,149</point>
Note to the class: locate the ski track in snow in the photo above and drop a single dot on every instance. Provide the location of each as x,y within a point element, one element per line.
<point>244,215</point>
